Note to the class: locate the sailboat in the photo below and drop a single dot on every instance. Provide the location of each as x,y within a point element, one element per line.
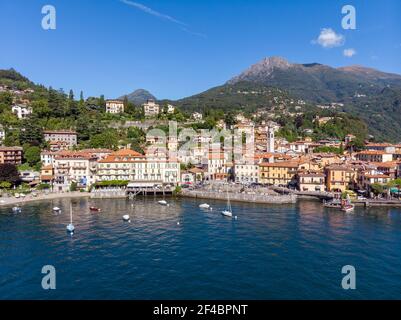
<point>70,227</point>
<point>228,212</point>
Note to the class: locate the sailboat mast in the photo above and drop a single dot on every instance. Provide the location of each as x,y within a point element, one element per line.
<point>71,213</point>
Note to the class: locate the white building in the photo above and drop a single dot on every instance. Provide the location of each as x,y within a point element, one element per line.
<point>129,165</point>
<point>65,136</point>
<point>114,106</point>
<point>47,158</point>
<point>78,167</point>
<point>197,116</point>
<point>151,108</point>
<point>21,111</point>
<point>246,172</point>
<point>170,109</point>
<point>270,139</point>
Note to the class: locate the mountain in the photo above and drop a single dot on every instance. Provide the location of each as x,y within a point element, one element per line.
<point>316,82</point>
<point>372,95</point>
<point>139,96</point>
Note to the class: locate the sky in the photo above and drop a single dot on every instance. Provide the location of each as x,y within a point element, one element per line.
<point>177,48</point>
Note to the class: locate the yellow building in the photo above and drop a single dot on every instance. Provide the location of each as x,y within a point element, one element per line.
<point>339,178</point>
<point>278,173</point>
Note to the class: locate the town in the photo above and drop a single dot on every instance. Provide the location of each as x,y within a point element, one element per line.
<point>306,165</point>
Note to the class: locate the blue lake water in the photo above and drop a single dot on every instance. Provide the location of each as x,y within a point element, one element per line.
<point>270,252</point>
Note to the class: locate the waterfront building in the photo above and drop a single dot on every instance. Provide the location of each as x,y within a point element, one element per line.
<point>278,173</point>
<point>30,176</point>
<point>188,178</point>
<point>114,106</point>
<point>216,165</point>
<point>11,155</point>
<point>151,108</point>
<point>374,156</point>
<point>47,174</point>
<point>373,177</point>
<point>247,172</point>
<point>60,139</point>
<point>340,178</point>
<point>311,181</point>
<point>129,165</point>
<point>74,167</point>
<point>387,168</point>
<point>21,111</point>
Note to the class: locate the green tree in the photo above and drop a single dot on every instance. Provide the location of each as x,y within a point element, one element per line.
<point>9,173</point>
<point>5,185</point>
<point>32,155</point>
<point>32,132</point>
<point>377,188</point>
<point>107,139</point>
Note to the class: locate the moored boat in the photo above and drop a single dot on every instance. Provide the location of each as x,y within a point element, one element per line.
<point>95,209</point>
<point>204,206</point>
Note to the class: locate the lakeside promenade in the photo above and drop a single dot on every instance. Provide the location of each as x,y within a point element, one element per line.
<point>261,198</point>
<point>8,201</point>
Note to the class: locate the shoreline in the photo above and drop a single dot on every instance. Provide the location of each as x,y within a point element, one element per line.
<point>42,197</point>
<point>244,198</point>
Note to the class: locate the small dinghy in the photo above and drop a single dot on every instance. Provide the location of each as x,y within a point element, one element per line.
<point>163,202</point>
<point>126,218</point>
<point>56,210</point>
<point>17,209</point>
<point>95,209</point>
<point>204,206</point>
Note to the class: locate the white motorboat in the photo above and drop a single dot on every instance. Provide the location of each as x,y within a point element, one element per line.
<point>163,202</point>
<point>126,217</point>
<point>17,209</point>
<point>56,210</point>
<point>204,206</point>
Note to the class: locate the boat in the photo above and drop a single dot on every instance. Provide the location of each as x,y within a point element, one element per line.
<point>334,204</point>
<point>95,209</point>
<point>17,209</point>
<point>163,202</point>
<point>126,217</point>
<point>70,227</point>
<point>228,212</point>
<point>56,210</point>
<point>204,206</point>
<point>348,208</point>
<point>346,205</point>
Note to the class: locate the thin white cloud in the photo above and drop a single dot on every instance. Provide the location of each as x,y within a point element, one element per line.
<point>349,53</point>
<point>328,38</point>
<point>140,6</point>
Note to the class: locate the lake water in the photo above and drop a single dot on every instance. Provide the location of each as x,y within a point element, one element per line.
<point>269,252</point>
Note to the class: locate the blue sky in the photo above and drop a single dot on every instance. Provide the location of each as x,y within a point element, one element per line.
<point>176,48</point>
